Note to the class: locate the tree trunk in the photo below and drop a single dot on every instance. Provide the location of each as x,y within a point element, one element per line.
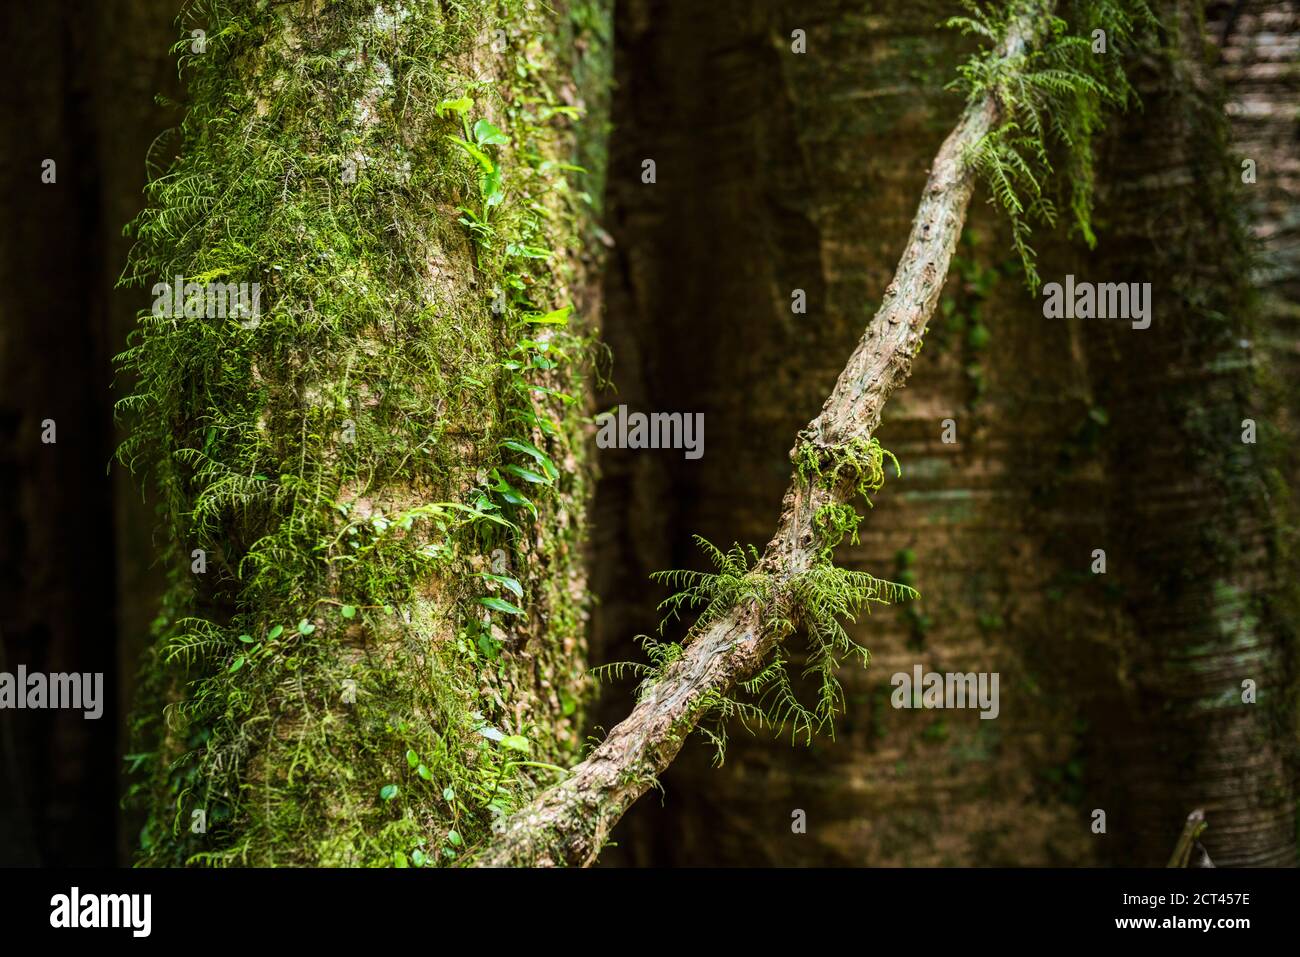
<point>373,477</point>
<point>808,185</point>
<point>1199,591</point>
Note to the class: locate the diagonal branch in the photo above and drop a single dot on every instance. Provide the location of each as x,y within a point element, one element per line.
<point>569,823</point>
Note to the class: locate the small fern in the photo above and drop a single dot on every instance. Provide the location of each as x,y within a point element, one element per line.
<point>818,601</point>
<point>733,583</point>
<point>1052,99</point>
<point>662,654</point>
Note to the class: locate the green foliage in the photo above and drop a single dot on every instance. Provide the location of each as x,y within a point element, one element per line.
<point>1052,97</point>
<point>820,600</point>
<point>733,583</point>
<point>662,654</point>
<point>833,521</point>
<point>856,467</point>
<point>816,602</point>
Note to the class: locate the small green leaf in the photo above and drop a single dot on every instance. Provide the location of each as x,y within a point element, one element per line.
<point>237,664</point>
<point>459,105</point>
<point>505,580</point>
<point>305,627</point>
<point>517,742</point>
<point>399,859</point>
<point>479,156</point>
<point>418,858</point>
<point>489,184</point>
<point>537,455</point>
<point>562,396</point>
<point>388,792</point>
<point>246,639</point>
<point>490,647</point>
<point>488,135</point>
<point>454,839</point>
<point>558,317</point>
<point>424,772</point>
<point>526,251</point>
<point>512,495</point>
<point>500,604</point>
<point>348,611</point>
<point>275,632</point>
<point>528,475</point>
<point>448,794</point>
<point>412,758</point>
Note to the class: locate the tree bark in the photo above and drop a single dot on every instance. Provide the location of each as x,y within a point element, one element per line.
<point>802,184</point>
<point>374,641</point>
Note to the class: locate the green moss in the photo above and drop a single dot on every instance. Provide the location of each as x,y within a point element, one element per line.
<point>386,467</point>
<point>858,464</point>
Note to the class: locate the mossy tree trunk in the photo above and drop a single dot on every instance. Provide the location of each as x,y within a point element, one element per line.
<point>1198,603</point>
<point>374,482</point>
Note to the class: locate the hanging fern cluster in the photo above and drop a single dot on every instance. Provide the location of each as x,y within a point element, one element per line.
<point>1052,98</point>
<point>859,467</point>
<point>816,602</point>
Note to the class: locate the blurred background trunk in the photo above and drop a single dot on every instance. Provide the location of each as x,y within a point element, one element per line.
<point>77,586</point>
<point>1120,692</point>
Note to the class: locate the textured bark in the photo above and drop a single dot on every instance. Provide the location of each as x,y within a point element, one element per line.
<point>331,687</point>
<point>803,183</point>
<point>570,822</point>
<point>1259,68</point>
<point>1193,514</point>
